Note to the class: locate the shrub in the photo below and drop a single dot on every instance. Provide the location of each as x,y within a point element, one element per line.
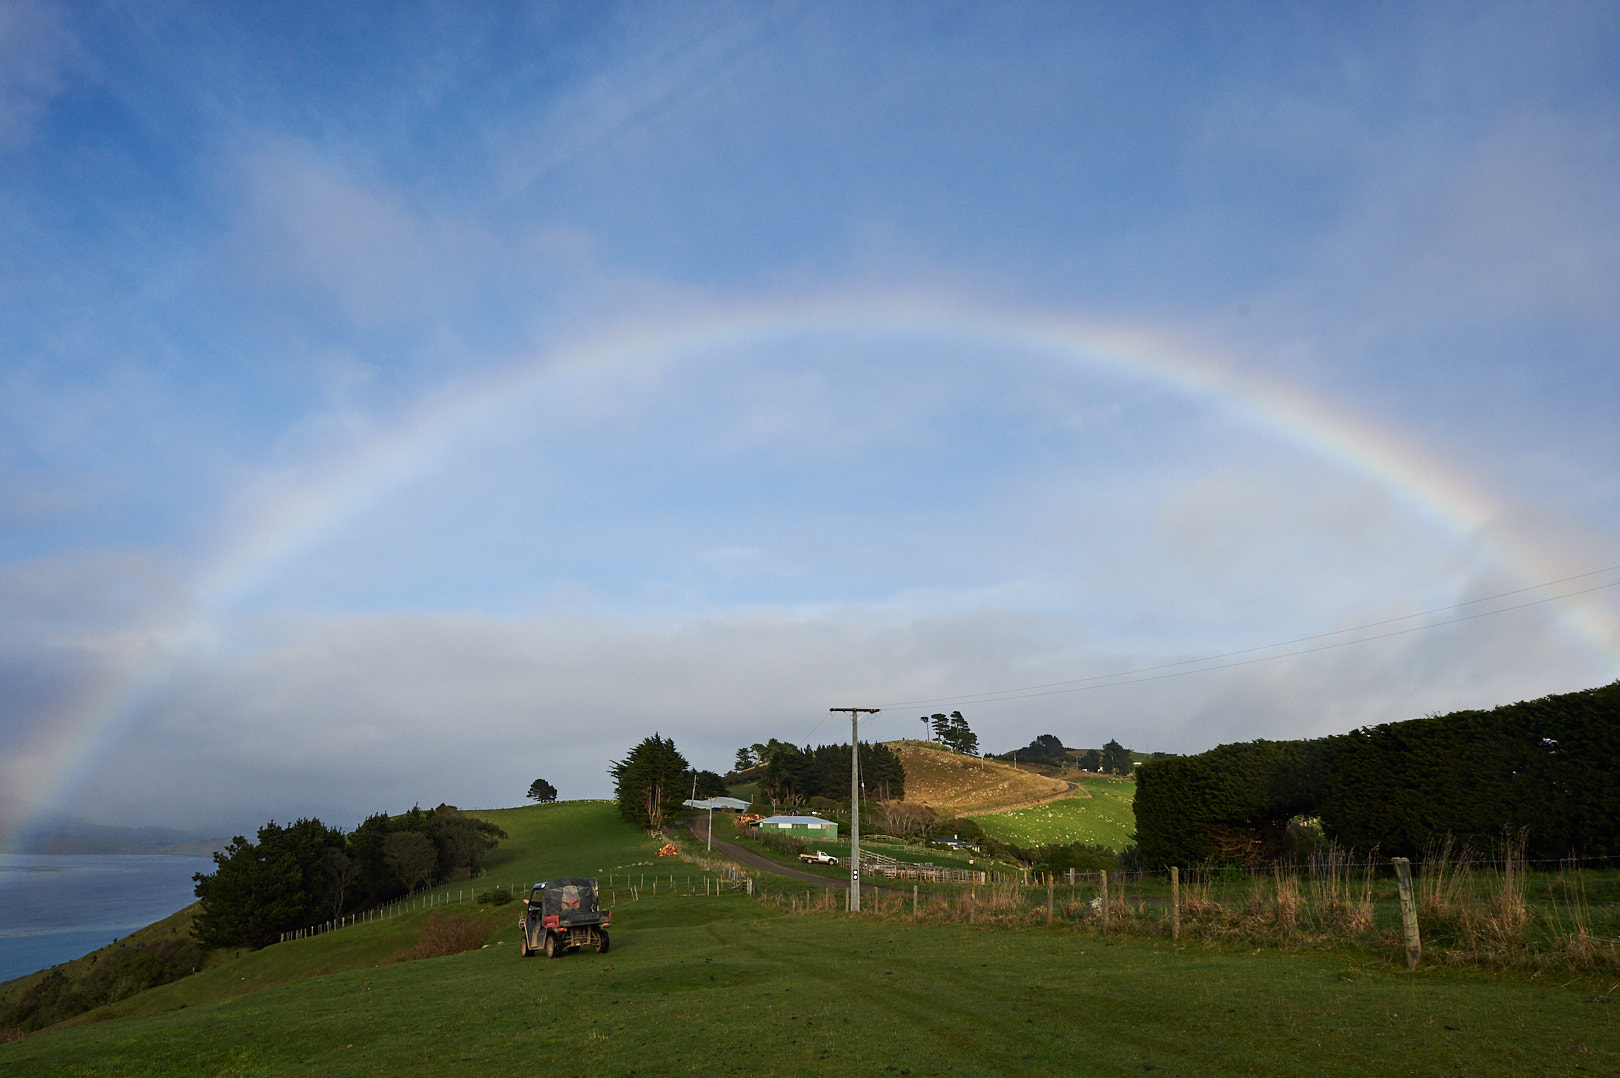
<point>125,970</point>
<point>447,933</point>
<point>1078,856</point>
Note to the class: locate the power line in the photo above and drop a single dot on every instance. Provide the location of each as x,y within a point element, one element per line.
<point>1165,671</point>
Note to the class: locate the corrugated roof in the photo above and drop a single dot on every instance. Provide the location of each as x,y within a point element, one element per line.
<point>716,802</point>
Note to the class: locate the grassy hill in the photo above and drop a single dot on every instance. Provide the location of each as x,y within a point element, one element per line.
<point>722,985</point>
<point>570,838</point>
<point>953,784</point>
<point>1033,805</point>
<point>1101,817</point>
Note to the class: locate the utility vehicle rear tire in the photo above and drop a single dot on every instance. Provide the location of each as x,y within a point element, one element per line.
<point>524,951</point>
<point>553,948</point>
<point>601,941</point>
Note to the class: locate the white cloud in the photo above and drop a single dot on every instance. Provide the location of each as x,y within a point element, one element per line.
<point>348,715</point>
<point>35,48</point>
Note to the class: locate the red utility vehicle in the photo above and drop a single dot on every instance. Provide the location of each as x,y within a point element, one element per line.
<point>562,916</point>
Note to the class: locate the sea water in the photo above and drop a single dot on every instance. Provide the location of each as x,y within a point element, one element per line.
<point>57,907</point>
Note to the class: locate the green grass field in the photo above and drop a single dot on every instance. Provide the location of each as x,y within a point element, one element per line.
<point>726,985</point>
<point>1103,819</point>
<point>721,987</point>
<point>569,838</point>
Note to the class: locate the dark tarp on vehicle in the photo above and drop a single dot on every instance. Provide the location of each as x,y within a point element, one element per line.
<point>576,894</point>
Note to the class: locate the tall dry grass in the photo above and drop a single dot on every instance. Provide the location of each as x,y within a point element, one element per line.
<point>1341,897</point>
<point>1477,907</point>
<point>1471,910</point>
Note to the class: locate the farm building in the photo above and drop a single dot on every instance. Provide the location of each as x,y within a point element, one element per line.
<point>719,804</point>
<point>803,826</point>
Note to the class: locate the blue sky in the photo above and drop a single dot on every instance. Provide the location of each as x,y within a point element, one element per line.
<point>404,402</point>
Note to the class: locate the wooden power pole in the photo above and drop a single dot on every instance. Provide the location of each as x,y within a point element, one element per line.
<point>855,714</point>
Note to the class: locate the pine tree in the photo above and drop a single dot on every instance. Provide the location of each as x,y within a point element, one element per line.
<point>650,782</point>
<point>957,735</point>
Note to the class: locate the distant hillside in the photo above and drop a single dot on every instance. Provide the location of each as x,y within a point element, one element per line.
<point>75,836</point>
<point>950,782</point>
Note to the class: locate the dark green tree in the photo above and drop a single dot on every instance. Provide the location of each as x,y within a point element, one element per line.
<point>541,790</point>
<point>793,776</point>
<point>709,784</point>
<point>341,871</point>
<point>1092,760</point>
<point>958,735</point>
<point>764,752</point>
<point>260,889</point>
<point>462,841</point>
<point>651,782</point>
<point>882,773</point>
<point>1046,745</point>
<point>412,857</point>
<point>1116,758</point>
<point>376,883</point>
<point>883,777</point>
<point>940,724</point>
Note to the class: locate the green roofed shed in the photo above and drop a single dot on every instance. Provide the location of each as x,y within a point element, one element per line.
<point>811,827</point>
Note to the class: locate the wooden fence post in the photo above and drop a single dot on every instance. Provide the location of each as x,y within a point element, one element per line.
<point>1409,922</point>
<point>1048,900</point>
<point>1105,902</point>
<point>1175,903</point>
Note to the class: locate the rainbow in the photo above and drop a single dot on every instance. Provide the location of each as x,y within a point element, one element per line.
<point>1425,483</point>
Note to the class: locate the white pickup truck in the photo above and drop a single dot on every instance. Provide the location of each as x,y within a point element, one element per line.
<point>819,857</point>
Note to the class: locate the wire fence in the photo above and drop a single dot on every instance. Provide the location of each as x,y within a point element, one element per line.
<point>1478,907</point>
<point>1495,912</point>
<point>717,878</point>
